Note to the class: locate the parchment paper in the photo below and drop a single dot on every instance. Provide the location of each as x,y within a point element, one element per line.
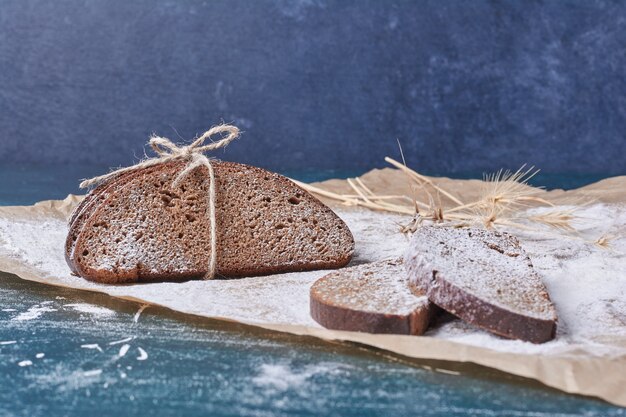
<point>588,285</point>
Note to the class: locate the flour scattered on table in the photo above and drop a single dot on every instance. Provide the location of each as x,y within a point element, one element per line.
<point>91,309</point>
<point>94,372</point>
<point>123,351</point>
<point>138,313</point>
<point>92,346</point>
<point>61,378</point>
<point>33,313</point>
<point>446,371</point>
<point>117,342</point>
<point>143,355</point>
<point>284,376</point>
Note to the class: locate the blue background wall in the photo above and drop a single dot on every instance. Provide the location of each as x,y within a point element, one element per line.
<point>465,86</point>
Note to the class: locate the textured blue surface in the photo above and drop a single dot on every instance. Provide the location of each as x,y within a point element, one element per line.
<point>466,86</point>
<point>200,367</point>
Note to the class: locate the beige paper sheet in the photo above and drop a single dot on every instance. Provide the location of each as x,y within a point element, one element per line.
<point>596,369</point>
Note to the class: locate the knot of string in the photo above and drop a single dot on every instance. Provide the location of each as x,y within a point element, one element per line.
<point>195,156</point>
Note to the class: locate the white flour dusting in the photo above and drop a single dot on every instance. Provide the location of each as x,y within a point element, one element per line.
<point>117,342</point>
<point>62,378</point>
<point>33,313</point>
<point>92,346</point>
<point>138,313</point>
<point>586,283</point>
<point>123,351</point>
<point>284,376</point>
<point>143,355</point>
<point>94,372</point>
<point>91,309</point>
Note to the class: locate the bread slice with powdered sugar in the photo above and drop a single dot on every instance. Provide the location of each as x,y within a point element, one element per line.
<point>483,277</point>
<point>138,227</point>
<point>372,298</point>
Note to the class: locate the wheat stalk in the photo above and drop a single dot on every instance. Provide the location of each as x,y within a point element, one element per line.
<point>421,180</point>
<point>503,201</point>
<point>560,219</point>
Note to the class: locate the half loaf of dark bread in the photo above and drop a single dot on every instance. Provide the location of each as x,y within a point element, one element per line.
<point>138,227</point>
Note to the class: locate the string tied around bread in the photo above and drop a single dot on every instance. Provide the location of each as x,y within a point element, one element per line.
<point>195,156</point>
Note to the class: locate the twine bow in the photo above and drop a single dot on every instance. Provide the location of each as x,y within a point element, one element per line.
<point>195,157</point>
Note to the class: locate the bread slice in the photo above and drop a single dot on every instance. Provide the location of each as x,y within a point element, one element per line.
<point>483,277</point>
<point>86,207</point>
<point>372,298</point>
<point>143,229</point>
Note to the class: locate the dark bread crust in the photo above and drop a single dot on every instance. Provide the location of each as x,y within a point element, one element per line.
<point>234,259</point>
<point>340,318</point>
<point>488,316</point>
<point>351,315</point>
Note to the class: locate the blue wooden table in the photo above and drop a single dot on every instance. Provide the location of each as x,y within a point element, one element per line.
<point>66,352</point>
